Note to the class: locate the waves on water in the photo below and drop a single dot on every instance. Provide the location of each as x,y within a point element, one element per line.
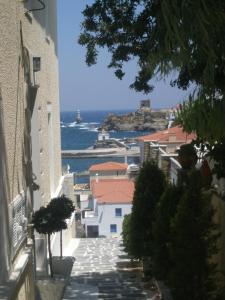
<point>83,135</point>
<point>92,126</point>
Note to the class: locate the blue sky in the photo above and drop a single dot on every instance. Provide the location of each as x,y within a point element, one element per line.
<point>96,87</point>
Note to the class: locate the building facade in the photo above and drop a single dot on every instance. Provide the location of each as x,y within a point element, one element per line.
<point>162,147</point>
<point>108,170</point>
<point>30,149</point>
<point>111,200</point>
<point>169,140</point>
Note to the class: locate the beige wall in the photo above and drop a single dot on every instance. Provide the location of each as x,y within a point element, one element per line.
<point>14,90</point>
<point>24,132</point>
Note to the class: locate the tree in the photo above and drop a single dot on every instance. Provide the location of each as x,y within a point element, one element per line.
<point>165,212</point>
<point>126,233</point>
<point>163,36</point>
<point>46,222</point>
<point>62,208</point>
<point>186,36</point>
<point>193,243</point>
<point>149,187</point>
<point>205,116</point>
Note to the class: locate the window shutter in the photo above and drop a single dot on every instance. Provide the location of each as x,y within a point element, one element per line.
<point>18,221</point>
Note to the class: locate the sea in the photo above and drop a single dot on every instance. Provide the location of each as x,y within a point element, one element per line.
<point>83,135</point>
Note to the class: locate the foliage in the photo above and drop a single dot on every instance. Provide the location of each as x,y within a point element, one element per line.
<point>149,187</point>
<point>214,151</point>
<point>126,232</point>
<point>165,211</point>
<point>46,222</point>
<point>187,156</point>
<point>205,116</point>
<point>51,218</point>
<point>187,150</point>
<point>218,154</point>
<point>158,34</point>
<point>62,207</point>
<point>193,243</point>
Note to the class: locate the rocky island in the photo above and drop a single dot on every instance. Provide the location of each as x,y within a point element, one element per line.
<point>143,119</point>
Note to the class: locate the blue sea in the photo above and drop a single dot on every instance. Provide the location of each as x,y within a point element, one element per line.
<point>81,136</point>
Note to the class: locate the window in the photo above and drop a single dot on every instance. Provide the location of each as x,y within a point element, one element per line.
<point>118,212</point>
<point>18,220</point>
<point>113,228</point>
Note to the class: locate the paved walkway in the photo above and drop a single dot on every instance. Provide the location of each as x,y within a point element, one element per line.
<point>103,271</point>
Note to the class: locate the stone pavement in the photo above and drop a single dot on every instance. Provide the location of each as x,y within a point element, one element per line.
<point>103,271</point>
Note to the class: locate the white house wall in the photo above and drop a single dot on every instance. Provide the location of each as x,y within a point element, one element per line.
<point>106,217</point>
<point>84,201</point>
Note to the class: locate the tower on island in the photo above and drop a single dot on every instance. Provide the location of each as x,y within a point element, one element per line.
<point>145,104</point>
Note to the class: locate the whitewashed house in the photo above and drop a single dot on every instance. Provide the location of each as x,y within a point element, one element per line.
<point>103,135</point>
<point>111,200</point>
<point>161,146</point>
<point>169,140</point>
<point>108,170</point>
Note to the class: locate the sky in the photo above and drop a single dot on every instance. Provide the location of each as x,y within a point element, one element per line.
<point>96,87</point>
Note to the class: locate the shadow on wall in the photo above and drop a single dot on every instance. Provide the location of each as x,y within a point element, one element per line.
<point>44,13</point>
<point>5,249</point>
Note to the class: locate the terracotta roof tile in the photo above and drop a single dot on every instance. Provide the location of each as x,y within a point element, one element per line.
<point>113,190</point>
<point>163,136</point>
<point>109,166</point>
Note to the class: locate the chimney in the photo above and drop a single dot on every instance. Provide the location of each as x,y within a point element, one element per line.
<point>96,178</point>
<point>172,137</point>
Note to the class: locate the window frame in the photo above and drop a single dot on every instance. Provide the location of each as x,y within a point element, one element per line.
<point>116,212</point>
<point>113,228</point>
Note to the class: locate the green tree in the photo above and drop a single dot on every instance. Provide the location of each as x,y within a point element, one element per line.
<point>163,36</point>
<point>126,233</point>
<point>193,243</point>
<point>165,211</point>
<point>186,36</point>
<point>46,222</point>
<point>205,116</point>
<point>62,208</point>
<point>149,186</point>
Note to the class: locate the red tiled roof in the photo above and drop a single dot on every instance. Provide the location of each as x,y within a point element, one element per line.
<point>113,190</point>
<point>163,136</point>
<point>109,166</point>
